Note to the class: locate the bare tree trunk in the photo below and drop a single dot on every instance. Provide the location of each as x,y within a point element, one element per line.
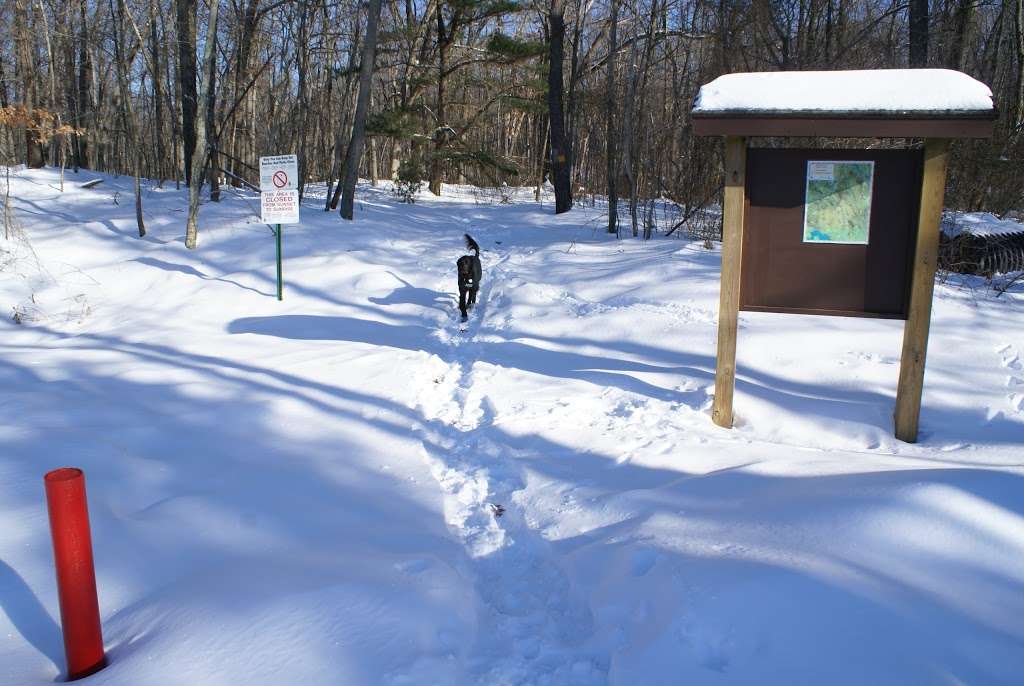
<point>574,77</point>
<point>302,74</point>
<point>26,69</point>
<point>613,200</point>
<point>55,141</point>
<point>441,130</point>
<point>918,26</point>
<point>158,96</point>
<point>7,202</point>
<point>128,119</point>
<point>1018,25</point>
<point>83,101</point>
<point>201,150</point>
<point>248,23</point>
<point>725,34</point>
<point>338,160</point>
<point>355,148</point>
<point>635,105</point>
<point>186,29</point>
<point>175,114</point>
<point>627,133</point>
<point>333,194</point>
<point>372,154</point>
<point>959,44</point>
<point>543,143</point>
<point>211,158</point>
<point>561,153</point>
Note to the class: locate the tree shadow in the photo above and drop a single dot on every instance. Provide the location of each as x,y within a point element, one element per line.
<point>619,371</point>
<point>189,270</point>
<point>601,371</point>
<point>407,294</point>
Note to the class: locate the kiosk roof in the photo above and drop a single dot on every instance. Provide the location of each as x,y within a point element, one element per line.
<point>875,103</point>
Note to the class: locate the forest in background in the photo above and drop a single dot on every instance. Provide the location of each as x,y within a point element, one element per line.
<point>593,95</point>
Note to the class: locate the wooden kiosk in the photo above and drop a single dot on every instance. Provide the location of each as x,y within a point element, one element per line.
<point>836,232</point>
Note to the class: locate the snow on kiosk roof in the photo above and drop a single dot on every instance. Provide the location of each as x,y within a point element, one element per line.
<point>901,103</point>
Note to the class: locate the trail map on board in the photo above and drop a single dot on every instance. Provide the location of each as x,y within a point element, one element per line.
<point>837,206</point>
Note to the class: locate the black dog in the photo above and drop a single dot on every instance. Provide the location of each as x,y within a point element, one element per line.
<point>469,276</point>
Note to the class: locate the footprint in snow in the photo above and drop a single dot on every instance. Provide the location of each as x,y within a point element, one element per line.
<point>1010,359</point>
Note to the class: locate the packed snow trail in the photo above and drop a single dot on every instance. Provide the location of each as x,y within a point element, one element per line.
<point>343,487</point>
<point>533,627</point>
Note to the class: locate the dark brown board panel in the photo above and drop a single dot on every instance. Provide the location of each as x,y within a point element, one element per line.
<point>782,273</point>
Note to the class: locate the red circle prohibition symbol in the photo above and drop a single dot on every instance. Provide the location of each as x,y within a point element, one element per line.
<point>280,179</point>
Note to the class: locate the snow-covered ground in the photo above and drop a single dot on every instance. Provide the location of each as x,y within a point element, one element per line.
<point>343,488</point>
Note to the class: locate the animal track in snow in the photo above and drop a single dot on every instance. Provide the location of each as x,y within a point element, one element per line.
<point>1015,380</point>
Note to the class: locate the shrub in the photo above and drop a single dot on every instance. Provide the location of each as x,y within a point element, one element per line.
<point>408,181</point>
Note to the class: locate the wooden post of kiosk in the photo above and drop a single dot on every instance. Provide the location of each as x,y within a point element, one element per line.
<point>926,256</point>
<point>729,297</point>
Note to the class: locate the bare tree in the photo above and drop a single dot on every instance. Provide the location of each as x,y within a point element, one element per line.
<point>189,101</point>
<point>561,152</point>
<point>128,119</point>
<point>26,70</point>
<point>1018,29</point>
<point>610,135</point>
<point>354,153</point>
<point>202,149</point>
<point>627,131</point>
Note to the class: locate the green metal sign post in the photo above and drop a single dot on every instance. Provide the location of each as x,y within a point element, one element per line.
<point>280,280</point>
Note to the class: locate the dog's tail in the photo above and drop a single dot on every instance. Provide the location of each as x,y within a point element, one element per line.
<point>471,244</point>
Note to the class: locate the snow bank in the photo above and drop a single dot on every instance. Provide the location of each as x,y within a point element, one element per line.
<point>979,224</point>
<point>888,90</point>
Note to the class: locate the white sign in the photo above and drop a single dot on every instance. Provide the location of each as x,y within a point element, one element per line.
<point>279,173</point>
<point>279,207</point>
<point>821,171</point>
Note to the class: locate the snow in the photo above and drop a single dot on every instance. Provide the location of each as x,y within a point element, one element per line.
<point>309,491</point>
<point>879,90</point>
<point>979,224</point>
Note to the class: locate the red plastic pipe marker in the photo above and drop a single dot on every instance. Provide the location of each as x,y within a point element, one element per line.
<point>76,577</point>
